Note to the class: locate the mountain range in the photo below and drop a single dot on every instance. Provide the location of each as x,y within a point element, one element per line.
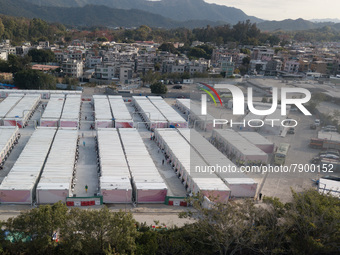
<point>179,10</point>
<point>133,13</point>
<point>295,25</point>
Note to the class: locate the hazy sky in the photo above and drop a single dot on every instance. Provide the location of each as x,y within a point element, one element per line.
<point>285,9</point>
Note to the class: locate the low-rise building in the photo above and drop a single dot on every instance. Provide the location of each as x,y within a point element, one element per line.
<point>73,68</point>
<point>107,71</point>
<point>93,61</point>
<point>291,66</point>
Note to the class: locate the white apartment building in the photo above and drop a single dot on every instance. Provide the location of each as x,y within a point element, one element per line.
<point>74,68</point>
<point>93,61</point>
<point>106,71</point>
<point>4,55</point>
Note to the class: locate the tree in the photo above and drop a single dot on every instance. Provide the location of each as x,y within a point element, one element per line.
<point>197,52</point>
<point>167,47</point>
<point>2,29</point>
<point>18,63</point>
<point>158,88</point>
<point>314,221</point>
<point>150,77</point>
<point>39,224</point>
<point>185,75</point>
<point>102,39</point>
<point>34,79</point>
<point>96,231</point>
<point>41,56</point>
<point>157,67</point>
<point>246,60</point>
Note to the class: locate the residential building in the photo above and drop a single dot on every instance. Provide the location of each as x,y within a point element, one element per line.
<point>125,74</point>
<point>4,55</point>
<point>93,61</point>
<point>262,53</point>
<point>106,71</point>
<point>319,67</point>
<point>44,44</point>
<point>291,66</point>
<point>74,68</point>
<point>273,67</point>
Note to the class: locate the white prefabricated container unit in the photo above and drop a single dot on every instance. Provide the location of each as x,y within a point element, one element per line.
<point>45,94</point>
<point>103,115</point>
<point>225,169</point>
<point>184,105</point>
<point>53,111</point>
<point>174,118</point>
<point>327,186</point>
<point>57,177</point>
<point>195,117</point>
<point>71,111</point>
<point>272,123</point>
<point>7,105</point>
<point>253,122</point>
<point>115,179</point>
<point>22,111</point>
<point>18,187</point>
<point>8,136</point>
<point>149,186</point>
<point>149,113</point>
<point>259,141</point>
<point>121,114</point>
<point>190,166</point>
<point>237,147</point>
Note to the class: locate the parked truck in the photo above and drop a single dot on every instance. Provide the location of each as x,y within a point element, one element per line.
<point>318,143</point>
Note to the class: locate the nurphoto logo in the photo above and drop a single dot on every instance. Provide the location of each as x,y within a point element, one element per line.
<point>239,103</point>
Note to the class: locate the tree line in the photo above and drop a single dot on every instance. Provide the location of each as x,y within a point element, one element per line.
<point>309,224</point>
<point>19,30</point>
<point>24,76</point>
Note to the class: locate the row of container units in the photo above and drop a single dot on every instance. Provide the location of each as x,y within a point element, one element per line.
<point>71,112</point>
<point>103,115</point>
<point>57,179</point>
<point>194,114</point>
<point>121,115</point>
<point>274,127</point>
<point>8,137</point>
<point>149,113</point>
<point>148,184</point>
<point>174,118</point>
<point>53,111</point>
<point>8,104</point>
<point>22,111</point>
<point>252,121</point>
<point>45,94</point>
<point>190,166</point>
<point>19,185</point>
<point>115,179</point>
<point>238,148</point>
<point>259,141</point>
<point>111,112</point>
<point>239,183</point>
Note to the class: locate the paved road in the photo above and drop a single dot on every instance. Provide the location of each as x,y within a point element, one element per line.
<point>86,171</point>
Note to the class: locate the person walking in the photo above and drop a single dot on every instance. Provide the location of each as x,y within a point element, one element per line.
<point>163,162</point>
<point>260,196</point>
<point>84,143</point>
<point>86,188</point>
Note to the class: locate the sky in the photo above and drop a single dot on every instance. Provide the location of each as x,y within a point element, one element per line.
<point>285,9</point>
